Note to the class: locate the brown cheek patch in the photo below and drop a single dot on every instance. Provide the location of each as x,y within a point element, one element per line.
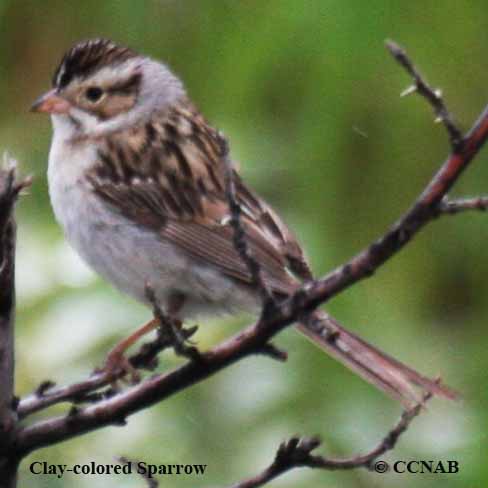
<point>114,105</point>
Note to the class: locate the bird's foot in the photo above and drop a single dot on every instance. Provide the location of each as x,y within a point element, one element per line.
<point>118,367</point>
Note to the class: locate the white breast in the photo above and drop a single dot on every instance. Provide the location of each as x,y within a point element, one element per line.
<point>122,252</point>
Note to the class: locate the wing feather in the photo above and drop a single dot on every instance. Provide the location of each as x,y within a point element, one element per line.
<point>180,194</point>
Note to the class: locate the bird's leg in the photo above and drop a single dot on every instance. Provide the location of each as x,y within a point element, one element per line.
<point>171,326</point>
<point>116,362</point>
<point>175,304</point>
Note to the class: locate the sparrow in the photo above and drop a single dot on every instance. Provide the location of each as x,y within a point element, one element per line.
<point>137,181</point>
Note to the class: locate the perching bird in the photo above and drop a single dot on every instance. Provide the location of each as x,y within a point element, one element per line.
<point>136,180</point>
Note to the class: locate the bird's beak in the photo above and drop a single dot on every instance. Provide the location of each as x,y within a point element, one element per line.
<point>51,103</point>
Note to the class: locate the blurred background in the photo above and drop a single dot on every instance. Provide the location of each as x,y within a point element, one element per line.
<point>309,98</point>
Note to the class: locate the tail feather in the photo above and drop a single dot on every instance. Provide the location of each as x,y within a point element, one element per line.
<point>378,368</point>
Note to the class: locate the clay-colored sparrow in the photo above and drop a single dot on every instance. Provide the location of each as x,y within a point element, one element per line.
<point>136,180</point>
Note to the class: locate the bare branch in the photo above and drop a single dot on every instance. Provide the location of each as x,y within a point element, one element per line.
<point>240,242</point>
<point>47,394</point>
<point>273,352</point>
<point>9,191</point>
<point>452,207</point>
<point>297,452</point>
<point>423,210</point>
<point>433,96</point>
<point>293,453</point>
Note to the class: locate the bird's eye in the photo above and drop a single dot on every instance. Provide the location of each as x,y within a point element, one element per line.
<point>93,94</point>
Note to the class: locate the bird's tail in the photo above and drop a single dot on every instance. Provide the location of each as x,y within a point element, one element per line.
<point>383,371</point>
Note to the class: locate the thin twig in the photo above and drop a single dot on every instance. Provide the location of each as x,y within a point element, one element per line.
<point>423,210</point>
<point>297,452</point>
<point>452,207</point>
<point>433,96</point>
<point>48,394</point>
<point>240,241</point>
<point>245,253</point>
<point>273,352</point>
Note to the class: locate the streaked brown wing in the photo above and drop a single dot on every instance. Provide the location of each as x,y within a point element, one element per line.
<point>214,245</point>
<point>168,175</point>
<point>268,221</point>
<point>204,239</point>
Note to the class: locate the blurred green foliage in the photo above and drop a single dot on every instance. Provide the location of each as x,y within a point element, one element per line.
<point>308,96</point>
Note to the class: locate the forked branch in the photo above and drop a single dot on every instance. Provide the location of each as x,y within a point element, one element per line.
<point>298,452</point>
<point>433,96</point>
